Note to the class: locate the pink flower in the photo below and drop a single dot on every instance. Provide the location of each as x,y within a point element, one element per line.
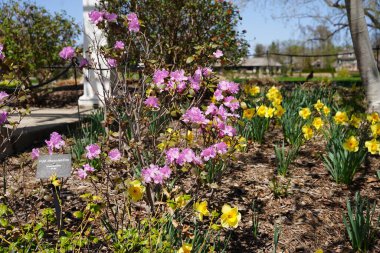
<point>218,53</point>
<point>55,142</point>
<point>155,174</point>
<point>232,103</point>
<point>152,102</point>
<point>221,147</point>
<point>218,94</point>
<point>82,174</point>
<point>133,22</point>
<point>206,71</point>
<point>178,76</point>
<point>165,171</point>
<point>35,153</point>
<point>160,75</point>
<point>229,131</point>
<point>119,45</point>
<point>172,155</point>
<point>96,17</point>
<point>83,63</point>
<point>87,168</point>
<point>2,56</point>
<point>111,17</point>
<point>114,154</point>
<point>149,173</point>
<point>3,96</point>
<point>181,86</point>
<point>67,53</point>
<point>211,109</point>
<point>93,151</point>
<point>112,62</point>
<point>230,87</point>
<point>187,155</point>
<point>208,153</point>
<point>222,112</point>
<point>194,115</point>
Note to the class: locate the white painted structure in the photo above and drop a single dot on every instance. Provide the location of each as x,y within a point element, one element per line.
<point>96,81</point>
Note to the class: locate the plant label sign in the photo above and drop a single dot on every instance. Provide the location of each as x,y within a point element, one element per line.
<point>49,165</point>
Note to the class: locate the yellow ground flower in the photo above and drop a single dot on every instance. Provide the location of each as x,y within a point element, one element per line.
<point>230,216</point>
<point>373,146</point>
<point>340,118</point>
<point>248,113</point>
<point>305,113</point>
<point>326,110</point>
<point>186,248</point>
<point>261,111</point>
<point>319,105</point>
<point>136,190</point>
<point>202,210</point>
<point>318,123</point>
<point>307,132</point>
<point>355,121</point>
<point>269,113</point>
<point>254,90</point>
<point>277,101</point>
<point>373,117</point>
<point>375,129</point>
<point>279,111</point>
<point>351,144</point>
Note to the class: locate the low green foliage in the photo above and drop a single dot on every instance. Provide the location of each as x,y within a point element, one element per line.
<point>284,157</point>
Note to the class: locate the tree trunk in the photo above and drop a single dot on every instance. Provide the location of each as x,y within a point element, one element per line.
<point>363,52</point>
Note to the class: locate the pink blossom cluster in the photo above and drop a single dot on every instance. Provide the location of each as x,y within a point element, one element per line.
<point>98,16</point>
<point>112,62</point>
<point>2,56</point>
<point>187,155</point>
<point>93,151</point>
<point>114,154</point>
<point>133,22</point>
<point>35,153</point>
<point>212,151</point>
<point>3,117</point>
<point>155,174</point>
<point>3,96</point>
<point>119,45</point>
<point>67,53</point>
<point>83,173</point>
<point>152,102</point>
<point>55,142</point>
<point>176,80</point>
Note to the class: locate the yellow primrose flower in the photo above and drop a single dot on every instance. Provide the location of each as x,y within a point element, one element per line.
<point>317,123</point>
<point>181,201</point>
<point>326,110</point>
<point>307,132</point>
<point>269,113</point>
<point>248,113</point>
<point>373,146</point>
<point>355,121</point>
<point>261,111</point>
<point>351,144</point>
<point>305,113</point>
<point>319,105</point>
<point>230,216</point>
<point>279,111</point>
<point>340,118</point>
<point>136,190</point>
<point>254,90</point>
<point>186,248</point>
<point>375,129</point>
<point>202,210</point>
<point>373,117</point>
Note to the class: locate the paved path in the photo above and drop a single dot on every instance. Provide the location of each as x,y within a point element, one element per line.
<point>37,126</point>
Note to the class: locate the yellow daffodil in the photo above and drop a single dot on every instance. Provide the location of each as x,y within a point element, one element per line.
<point>317,123</point>
<point>254,90</point>
<point>181,201</point>
<point>373,118</point>
<point>261,111</point>
<point>340,118</point>
<point>373,146</point>
<point>202,210</point>
<point>375,129</point>
<point>351,144</point>
<point>269,113</point>
<point>242,143</point>
<point>319,251</point>
<point>55,181</point>
<point>319,105</point>
<point>248,113</point>
<point>307,132</point>
<point>230,216</point>
<point>279,111</point>
<point>326,110</point>
<point>186,248</point>
<point>305,113</point>
<point>355,121</point>
<point>136,190</point>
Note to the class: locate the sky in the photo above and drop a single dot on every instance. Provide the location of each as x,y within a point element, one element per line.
<point>258,22</point>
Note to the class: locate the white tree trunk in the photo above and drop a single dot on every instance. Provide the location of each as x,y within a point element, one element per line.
<point>363,52</point>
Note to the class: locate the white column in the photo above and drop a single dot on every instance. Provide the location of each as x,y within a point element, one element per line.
<point>96,81</point>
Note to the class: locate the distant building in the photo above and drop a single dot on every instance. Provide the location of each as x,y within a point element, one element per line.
<point>346,60</point>
<point>256,65</point>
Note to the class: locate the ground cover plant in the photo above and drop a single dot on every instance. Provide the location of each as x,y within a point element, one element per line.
<point>185,161</point>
